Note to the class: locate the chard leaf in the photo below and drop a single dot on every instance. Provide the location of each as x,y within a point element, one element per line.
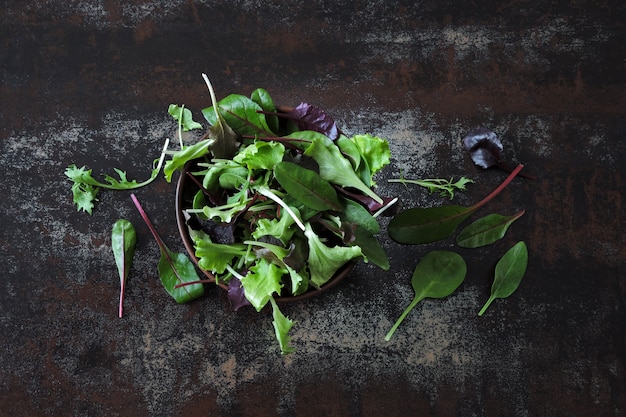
<point>282,326</point>
<point>309,117</point>
<point>437,275</point>
<point>486,230</point>
<point>484,147</point>
<point>236,294</point>
<point>123,242</point>
<point>263,99</point>
<point>335,168</point>
<point>241,114</point>
<point>261,282</point>
<point>184,117</point>
<point>324,261</point>
<point>175,269</point>
<point>307,187</point>
<point>510,270</point>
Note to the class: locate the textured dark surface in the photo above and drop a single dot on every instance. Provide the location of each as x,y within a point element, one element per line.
<point>89,82</point>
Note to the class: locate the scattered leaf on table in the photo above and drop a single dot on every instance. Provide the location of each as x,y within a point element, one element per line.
<point>437,275</point>
<point>123,242</point>
<point>510,270</point>
<point>486,230</point>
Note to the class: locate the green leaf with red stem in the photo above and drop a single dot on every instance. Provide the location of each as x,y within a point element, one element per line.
<point>174,268</point>
<point>123,242</point>
<point>425,225</point>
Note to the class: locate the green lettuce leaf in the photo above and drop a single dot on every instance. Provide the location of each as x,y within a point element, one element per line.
<point>261,282</point>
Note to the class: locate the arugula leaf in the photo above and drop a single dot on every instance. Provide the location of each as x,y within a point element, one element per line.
<point>443,186</point>
<point>188,153</point>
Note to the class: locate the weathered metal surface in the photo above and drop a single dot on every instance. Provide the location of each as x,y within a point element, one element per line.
<point>89,83</point>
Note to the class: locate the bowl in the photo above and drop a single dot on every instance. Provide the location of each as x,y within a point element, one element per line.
<point>185,189</point>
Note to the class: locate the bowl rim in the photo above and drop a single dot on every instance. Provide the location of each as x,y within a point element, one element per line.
<point>339,275</point>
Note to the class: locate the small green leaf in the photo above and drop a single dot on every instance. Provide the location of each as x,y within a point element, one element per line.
<point>486,230</point>
<point>437,275</point>
<point>282,326</point>
<point>261,97</point>
<point>184,117</point>
<point>510,270</point>
<point>307,187</point>
<point>262,281</point>
<point>123,242</point>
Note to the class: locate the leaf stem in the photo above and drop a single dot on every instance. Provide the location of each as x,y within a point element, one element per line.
<point>487,304</point>
<point>269,194</point>
<point>497,190</point>
<point>402,317</point>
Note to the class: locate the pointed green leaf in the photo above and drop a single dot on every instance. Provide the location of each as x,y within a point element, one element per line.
<point>426,225</point>
<point>510,270</point>
<point>123,242</point>
<point>486,230</point>
<point>307,187</point>
<point>437,275</point>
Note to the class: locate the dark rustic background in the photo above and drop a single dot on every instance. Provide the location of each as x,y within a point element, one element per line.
<point>89,82</point>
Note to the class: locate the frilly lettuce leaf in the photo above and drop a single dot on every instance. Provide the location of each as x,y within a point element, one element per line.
<point>261,282</point>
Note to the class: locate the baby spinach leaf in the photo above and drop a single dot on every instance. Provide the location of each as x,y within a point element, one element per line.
<point>261,97</point>
<point>510,270</point>
<point>282,326</point>
<point>307,187</point>
<point>174,268</point>
<point>486,230</point>
<point>426,225</point>
<point>123,242</point>
<point>242,114</point>
<point>437,275</point>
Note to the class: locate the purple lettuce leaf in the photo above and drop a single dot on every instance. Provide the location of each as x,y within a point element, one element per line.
<point>309,117</point>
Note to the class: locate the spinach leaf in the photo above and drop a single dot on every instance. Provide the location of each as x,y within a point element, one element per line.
<point>510,270</point>
<point>241,113</point>
<point>437,275</point>
<point>486,230</point>
<point>261,97</point>
<point>425,225</point>
<point>307,187</point>
<point>123,242</point>
<point>174,269</point>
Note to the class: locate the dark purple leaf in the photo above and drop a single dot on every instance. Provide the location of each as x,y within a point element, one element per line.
<point>484,147</point>
<point>309,117</point>
<point>369,203</point>
<point>220,232</point>
<point>236,295</point>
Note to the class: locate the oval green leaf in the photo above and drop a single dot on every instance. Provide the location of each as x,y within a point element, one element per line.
<point>486,230</point>
<point>437,275</point>
<point>510,270</point>
<point>307,187</point>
